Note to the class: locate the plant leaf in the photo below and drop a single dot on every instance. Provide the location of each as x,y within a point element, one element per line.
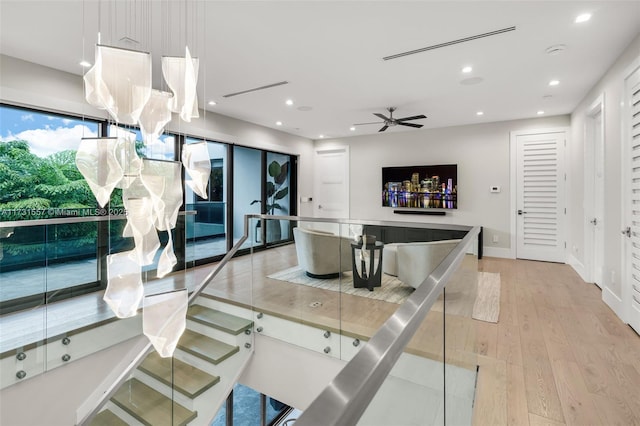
<point>282,176</point>
<point>271,189</point>
<point>281,194</point>
<point>277,206</point>
<point>274,169</point>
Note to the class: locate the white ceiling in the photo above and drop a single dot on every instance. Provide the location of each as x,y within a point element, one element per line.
<point>331,54</point>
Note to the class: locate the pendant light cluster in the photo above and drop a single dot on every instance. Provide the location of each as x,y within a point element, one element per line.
<point>120,83</point>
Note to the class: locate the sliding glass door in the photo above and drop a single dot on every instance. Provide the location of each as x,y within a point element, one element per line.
<point>206,231</point>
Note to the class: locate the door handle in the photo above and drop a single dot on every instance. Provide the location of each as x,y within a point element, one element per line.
<point>520,212</point>
<point>594,221</point>
<point>627,231</point>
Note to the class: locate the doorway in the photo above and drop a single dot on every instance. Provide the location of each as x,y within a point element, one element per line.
<point>594,192</point>
<point>538,196</point>
<point>631,182</point>
<point>331,183</point>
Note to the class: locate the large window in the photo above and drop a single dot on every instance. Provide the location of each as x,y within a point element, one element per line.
<point>39,180</point>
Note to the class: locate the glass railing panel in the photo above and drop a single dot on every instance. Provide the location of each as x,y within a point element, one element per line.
<point>23,267</point>
<point>206,230</point>
<point>433,381</point>
<point>297,287</point>
<point>71,257</point>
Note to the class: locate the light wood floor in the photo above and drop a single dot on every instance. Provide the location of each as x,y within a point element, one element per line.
<point>558,354</point>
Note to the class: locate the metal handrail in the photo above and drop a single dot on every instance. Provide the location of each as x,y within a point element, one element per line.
<point>347,397</point>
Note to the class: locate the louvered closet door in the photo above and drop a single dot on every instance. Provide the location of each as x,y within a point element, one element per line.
<point>540,197</point>
<point>632,235</point>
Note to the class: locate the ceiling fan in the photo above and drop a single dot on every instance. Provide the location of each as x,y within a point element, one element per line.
<point>390,121</point>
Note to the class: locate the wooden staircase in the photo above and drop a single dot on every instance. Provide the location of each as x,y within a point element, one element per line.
<point>188,388</point>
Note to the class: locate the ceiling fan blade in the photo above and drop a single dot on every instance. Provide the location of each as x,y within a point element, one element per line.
<point>410,125</point>
<point>362,124</point>
<point>377,114</point>
<point>413,117</point>
<point>385,127</point>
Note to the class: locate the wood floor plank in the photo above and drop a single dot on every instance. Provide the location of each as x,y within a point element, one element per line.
<point>535,420</point>
<point>509,346</point>
<point>491,393</point>
<point>517,409</point>
<point>577,403</point>
<point>558,346</point>
<point>615,411</point>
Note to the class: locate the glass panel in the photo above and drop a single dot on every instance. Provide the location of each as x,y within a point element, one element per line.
<point>416,385</point>
<point>23,284</point>
<point>247,166</point>
<point>311,276</point>
<point>278,195</point>
<point>471,298</point>
<point>206,230</point>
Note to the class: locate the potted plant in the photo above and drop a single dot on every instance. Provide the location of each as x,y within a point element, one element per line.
<point>276,190</point>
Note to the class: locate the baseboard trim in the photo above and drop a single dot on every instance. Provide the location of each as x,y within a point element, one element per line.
<point>497,252</point>
<point>614,302</point>
<point>578,267</point>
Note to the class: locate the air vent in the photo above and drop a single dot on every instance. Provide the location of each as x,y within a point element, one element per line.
<point>450,43</point>
<point>255,89</point>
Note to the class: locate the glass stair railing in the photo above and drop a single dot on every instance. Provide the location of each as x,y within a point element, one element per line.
<point>306,296</point>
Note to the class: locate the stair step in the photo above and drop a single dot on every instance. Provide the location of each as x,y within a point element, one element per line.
<point>220,320</point>
<point>211,350</point>
<point>149,406</point>
<point>186,378</point>
<point>107,418</point>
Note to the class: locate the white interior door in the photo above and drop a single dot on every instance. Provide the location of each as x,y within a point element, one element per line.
<point>540,181</point>
<point>331,183</point>
<point>594,194</point>
<point>631,234</point>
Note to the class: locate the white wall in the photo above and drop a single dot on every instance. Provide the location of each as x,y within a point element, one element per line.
<point>53,398</point>
<point>610,87</point>
<point>481,152</point>
<point>31,85</point>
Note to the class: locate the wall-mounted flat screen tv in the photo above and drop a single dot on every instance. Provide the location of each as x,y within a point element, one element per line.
<point>420,187</point>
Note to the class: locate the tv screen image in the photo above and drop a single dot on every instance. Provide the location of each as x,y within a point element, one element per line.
<point>420,187</point>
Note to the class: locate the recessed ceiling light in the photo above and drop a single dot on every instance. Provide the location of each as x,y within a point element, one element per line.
<point>479,113</point>
<point>540,112</point>
<point>321,136</point>
<point>554,83</point>
<point>352,128</point>
<point>289,102</point>
<point>278,123</point>
<point>85,64</point>
<point>583,18</point>
<point>467,70</point>
<point>212,103</point>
